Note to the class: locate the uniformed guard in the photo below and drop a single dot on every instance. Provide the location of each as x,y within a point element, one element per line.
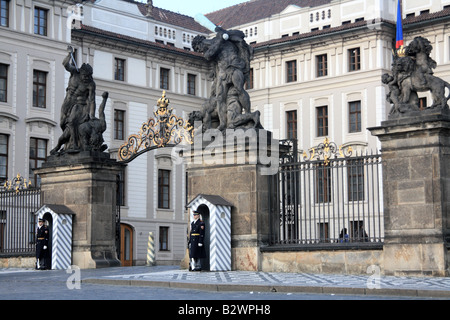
<point>42,245</point>
<point>196,238</point>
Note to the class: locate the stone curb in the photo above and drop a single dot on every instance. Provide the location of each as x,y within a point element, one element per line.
<point>274,288</point>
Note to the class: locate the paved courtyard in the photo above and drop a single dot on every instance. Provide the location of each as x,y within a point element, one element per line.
<point>171,283</point>
<point>281,282</point>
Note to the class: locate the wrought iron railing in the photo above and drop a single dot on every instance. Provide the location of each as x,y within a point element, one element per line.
<point>18,221</point>
<point>331,198</point>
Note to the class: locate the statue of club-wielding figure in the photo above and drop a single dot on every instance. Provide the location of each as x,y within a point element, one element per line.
<point>231,56</point>
<point>81,129</point>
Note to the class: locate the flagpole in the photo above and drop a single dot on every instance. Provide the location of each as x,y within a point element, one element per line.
<point>399,44</point>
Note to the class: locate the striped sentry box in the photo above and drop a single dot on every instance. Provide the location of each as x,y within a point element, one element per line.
<point>151,250</point>
<point>220,230</point>
<point>61,234</point>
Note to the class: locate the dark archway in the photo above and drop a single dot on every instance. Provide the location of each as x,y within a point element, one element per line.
<point>204,212</point>
<point>49,218</point>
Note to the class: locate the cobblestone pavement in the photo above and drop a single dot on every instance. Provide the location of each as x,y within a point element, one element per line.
<point>113,282</point>
<point>280,282</point>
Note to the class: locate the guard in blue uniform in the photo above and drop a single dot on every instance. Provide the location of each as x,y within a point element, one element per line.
<point>196,237</point>
<point>42,246</point>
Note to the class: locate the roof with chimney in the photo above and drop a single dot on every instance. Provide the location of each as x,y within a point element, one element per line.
<point>250,11</point>
<point>89,30</point>
<point>169,17</point>
<point>232,16</point>
<point>256,10</point>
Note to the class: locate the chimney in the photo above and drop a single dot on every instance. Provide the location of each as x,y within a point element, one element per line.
<point>149,7</point>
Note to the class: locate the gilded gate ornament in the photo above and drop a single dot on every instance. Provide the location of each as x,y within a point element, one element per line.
<point>326,150</point>
<point>165,130</point>
<point>17,184</point>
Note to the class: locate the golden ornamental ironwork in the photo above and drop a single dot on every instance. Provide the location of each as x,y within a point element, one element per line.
<point>18,183</point>
<point>326,151</point>
<point>401,52</point>
<point>165,130</point>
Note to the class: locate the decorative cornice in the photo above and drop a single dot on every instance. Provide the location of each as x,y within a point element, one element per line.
<point>39,119</point>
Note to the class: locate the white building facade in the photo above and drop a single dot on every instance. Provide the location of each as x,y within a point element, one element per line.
<point>317,70</point>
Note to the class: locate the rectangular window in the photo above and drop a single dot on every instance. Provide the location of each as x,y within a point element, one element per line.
<point>357,231</point>
<point>38,155</point>
<point>3,158</point>
<point>291,71</point>
<point>355,180</point>
<point>164,189</point>
<point>120,195</point>
<point>354,59</point>
<point>324,235</point>
<point>354,115</point>
<point>4,13</point>
<point>39,89</point>
<point>322,121</point>
<point>40,21</point>
<point>322,65</point>
<point>423,103</point>
<point>291,118</point>
<point>32,227</point>
<point>163,238</point>
<point>164,78</point>
<point>323,184</point>
<point>119,124</point>
<point>119,69</point>
<point>2,229</point>
<point>75,56</point>
<point>191,83</point>
<point>3,82</point>
<point>249,84</point>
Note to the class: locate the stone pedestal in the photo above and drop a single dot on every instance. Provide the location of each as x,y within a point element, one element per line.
<point>85,183</point>
<point>239,173</point>
<point>416,183</point>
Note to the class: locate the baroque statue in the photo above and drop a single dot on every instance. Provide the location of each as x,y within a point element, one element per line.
<point>412,72</point>
<point>82,131</point>
<point>229,102</point>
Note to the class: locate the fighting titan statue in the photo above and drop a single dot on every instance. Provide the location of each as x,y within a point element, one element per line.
<point>82,131</point>
<point>229,102</point>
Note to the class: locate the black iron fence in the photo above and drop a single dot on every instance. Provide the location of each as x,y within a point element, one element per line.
<point>18,221</point>
<point>330,198</point>
<point>18,205</point>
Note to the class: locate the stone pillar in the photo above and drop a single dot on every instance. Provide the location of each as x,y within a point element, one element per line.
<point>86,183</point>
<point>239,173</point>
<point>416,183</point>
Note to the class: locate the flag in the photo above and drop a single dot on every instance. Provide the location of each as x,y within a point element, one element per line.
<point>399,36</point>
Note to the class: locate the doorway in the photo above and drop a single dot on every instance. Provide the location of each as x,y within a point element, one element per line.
<point>126,245</point>
<point>49,218</point>
<point>204,212</point>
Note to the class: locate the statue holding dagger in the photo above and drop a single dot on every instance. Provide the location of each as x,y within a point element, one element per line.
<point>81,129</point>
